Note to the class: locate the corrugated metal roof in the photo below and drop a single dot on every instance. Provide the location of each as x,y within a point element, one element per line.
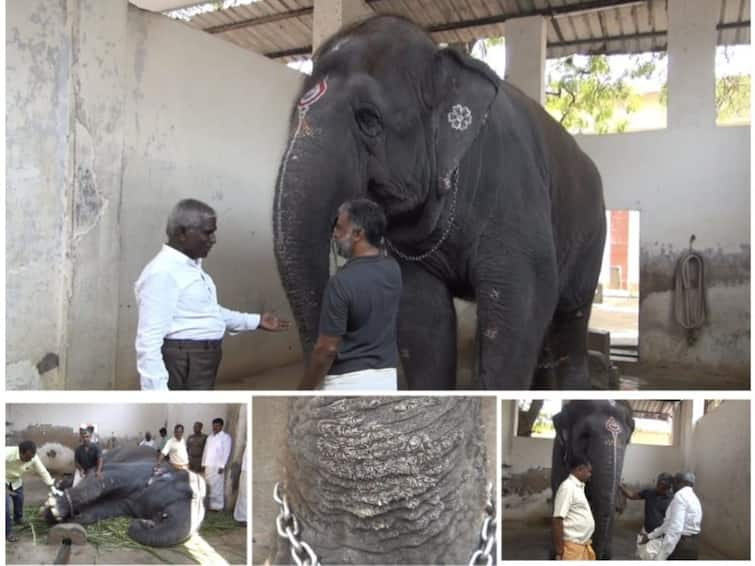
<point>653,409</point>
<point>282,29</point>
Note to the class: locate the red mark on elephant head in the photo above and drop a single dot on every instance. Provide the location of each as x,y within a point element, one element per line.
<point>313,94</point>
<point>612,426</point>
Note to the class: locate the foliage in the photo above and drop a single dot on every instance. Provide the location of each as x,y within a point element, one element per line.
<point>733,97</point>
<point>585,94</point>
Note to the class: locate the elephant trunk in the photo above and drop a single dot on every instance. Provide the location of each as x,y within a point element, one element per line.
<point>607,461</point>
<point>306,201</point>
<point>387,480</point>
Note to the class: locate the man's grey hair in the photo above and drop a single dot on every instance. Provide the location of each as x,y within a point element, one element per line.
<point>188,213</point>
<point>686,477</point>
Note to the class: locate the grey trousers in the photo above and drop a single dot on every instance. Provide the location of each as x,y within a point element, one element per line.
<point>192,364</point>
<point>686,548</point>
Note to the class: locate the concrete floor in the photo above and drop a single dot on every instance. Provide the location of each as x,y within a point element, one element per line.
<point>231,546</point>
<point>619,315</point>
<point>531,541</point>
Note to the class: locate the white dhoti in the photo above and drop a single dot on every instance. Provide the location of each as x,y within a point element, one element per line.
<point>215,488</point>
<point>368,379</point>
<point>239,511</point>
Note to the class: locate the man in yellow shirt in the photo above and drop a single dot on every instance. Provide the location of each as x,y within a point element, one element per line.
<point>175,450</point>
<point>573,523</point>
<point>18,460</point>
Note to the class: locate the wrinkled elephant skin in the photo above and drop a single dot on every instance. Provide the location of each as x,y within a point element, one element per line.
<point>386,480</point>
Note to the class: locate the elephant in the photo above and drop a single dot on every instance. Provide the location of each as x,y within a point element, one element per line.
<point>167,505</point>
<point>487,198</point>
<point>386,480</point>
<point>601,431</point>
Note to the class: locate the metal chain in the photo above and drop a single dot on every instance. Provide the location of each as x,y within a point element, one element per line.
<point>288,528</point>
<point>446,231</point>
<point>485,554</point>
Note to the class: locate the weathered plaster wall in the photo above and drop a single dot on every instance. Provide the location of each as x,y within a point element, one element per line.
<point>684,182</point>
<point>38,176</point>
<point>64,147</point>
<point>209,120</point>
<point>721,462</point>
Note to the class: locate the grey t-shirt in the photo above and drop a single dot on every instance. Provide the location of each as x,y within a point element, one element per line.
<point>360,304</point>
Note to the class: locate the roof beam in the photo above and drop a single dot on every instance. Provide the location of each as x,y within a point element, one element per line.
<point>262,20</point>
<point>307,49</point>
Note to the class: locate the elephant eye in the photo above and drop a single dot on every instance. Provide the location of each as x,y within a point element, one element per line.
<point>369,121</point>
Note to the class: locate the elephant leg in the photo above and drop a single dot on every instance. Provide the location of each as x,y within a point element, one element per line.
<point>511,327</point>
<point>171,526</point>
<point>102,510</point>
<point>568,339</point>
<point>426,330</point>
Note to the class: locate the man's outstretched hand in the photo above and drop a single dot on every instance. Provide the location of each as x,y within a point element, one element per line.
<point>272,323</point>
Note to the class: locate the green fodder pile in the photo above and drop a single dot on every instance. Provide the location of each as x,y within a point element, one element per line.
<point>113,533</point>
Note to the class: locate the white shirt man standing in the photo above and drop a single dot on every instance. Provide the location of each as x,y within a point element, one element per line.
<point>217,451</point>
<point>573,523</point>
<point>681,526</point>
<point>175,450</point>
<point>181,325</point>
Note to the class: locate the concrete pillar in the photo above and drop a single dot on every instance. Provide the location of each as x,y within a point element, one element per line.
<point>98,67</point>
<point>508,430</point>
<point>236,421</point>
<point>331,15</point>
<point>525,55</point>
<point>691,63</point>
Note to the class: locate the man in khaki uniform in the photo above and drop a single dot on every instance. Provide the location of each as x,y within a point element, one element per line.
<point>573,523</point>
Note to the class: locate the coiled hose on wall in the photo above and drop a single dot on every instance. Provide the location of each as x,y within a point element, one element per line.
<point>689,292</point>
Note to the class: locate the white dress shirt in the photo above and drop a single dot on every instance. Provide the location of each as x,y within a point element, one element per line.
<point>217,450</point>
<point>571,505</point>
<point>683,518</point>
<point>177,299</point>
<point>176,452</point>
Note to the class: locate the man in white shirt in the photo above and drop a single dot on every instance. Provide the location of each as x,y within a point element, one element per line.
<point>181,325</point>
<point>147,441</point>
<point>573,523</point>
<point>681,526</point>
<point>175,450</point>
<point>217,450</point>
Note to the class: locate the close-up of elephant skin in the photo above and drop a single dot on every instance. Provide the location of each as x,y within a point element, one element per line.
<point>488,199</point>
<point>167,506</point>
<point>386,480</point>
<point>601,431</point>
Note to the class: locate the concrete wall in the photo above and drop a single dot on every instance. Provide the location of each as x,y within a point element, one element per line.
<point>65,144</point>
<point>209,120</point>
<point>38,170</point>
<point>269,438</point>
<point>684,182</point>
<point>124,419</point>
<point>721,461</point>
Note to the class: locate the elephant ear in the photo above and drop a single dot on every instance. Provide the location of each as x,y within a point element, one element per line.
<point>562,433</point>
<point>460,91</point>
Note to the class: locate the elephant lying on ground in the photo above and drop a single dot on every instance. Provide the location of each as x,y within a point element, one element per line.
<point>600,430</point>
<point>167,506</point>
<point>487,197</point>
<point>382,480</point>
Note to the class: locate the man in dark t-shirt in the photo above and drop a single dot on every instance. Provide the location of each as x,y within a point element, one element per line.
<point>88,457</point>
<point>656,499</point>
<point>357,343</point>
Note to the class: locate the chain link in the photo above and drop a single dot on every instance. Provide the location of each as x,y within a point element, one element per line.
<point>288,528</point>
<point>446,231</point>
<point>485,553</point>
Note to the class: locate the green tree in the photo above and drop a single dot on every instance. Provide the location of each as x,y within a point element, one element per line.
<point>586,95</point>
